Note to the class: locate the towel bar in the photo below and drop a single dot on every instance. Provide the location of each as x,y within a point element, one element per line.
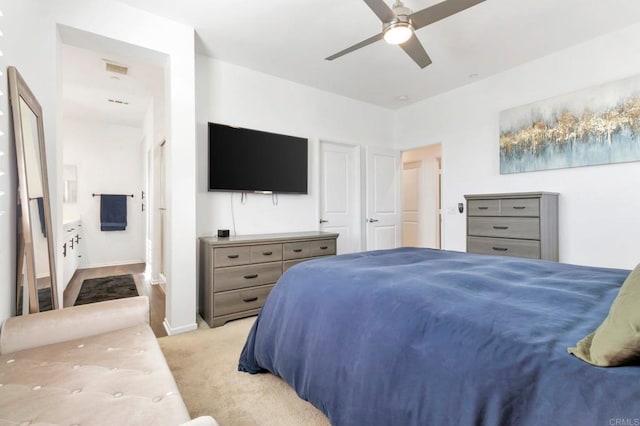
<point>96,195</point>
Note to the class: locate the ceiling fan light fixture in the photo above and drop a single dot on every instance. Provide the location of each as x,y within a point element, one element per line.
<point>398,32</point>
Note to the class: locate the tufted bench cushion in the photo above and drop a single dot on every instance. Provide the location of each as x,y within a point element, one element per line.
<point>116,377</point>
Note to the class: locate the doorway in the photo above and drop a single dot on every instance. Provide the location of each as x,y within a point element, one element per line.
<point>113,114</point>
<point>422,197</point>
<point>411,188</point>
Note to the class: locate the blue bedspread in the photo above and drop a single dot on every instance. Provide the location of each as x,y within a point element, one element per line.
<point>426,337</point>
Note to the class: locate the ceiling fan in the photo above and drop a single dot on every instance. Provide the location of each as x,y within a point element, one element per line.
<point>399,24</point>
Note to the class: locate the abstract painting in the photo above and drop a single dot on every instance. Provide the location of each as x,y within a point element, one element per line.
<point>599,125</point>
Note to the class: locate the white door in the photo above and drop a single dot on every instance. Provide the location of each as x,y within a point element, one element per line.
<point>383,219</point>
<point>411,179</point>
<point>340,194</point>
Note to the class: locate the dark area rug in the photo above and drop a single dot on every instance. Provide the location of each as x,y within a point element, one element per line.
<point>107,288</point>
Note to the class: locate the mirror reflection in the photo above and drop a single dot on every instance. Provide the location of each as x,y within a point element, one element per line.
<point>41,253</point>
<point>70,176</point>
<point>31,150</point>
<point>36,211</point>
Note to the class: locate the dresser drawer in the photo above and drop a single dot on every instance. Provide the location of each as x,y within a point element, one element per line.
<point>520,207</point>
<point>483,207</point>
<point>324,248</point>
<point>231,256</point>
<point>237,277</point>
<point>240,300</point>
<point>308,249</point>
<point>266,253</point>
<point>504,247</point>
<point>505,227</point>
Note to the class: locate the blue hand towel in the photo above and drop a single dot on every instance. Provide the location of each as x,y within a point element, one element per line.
<point>113,212</point>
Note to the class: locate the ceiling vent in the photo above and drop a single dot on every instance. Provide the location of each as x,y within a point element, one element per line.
<point>118,101</point>
<point>115,68</point>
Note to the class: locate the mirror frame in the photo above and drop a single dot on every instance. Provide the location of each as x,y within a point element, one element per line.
<point>18,89</point>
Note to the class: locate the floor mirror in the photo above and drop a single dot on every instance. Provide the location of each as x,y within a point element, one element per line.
<point>35,274</point>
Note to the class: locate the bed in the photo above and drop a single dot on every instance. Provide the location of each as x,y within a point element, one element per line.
<point>427,337</point>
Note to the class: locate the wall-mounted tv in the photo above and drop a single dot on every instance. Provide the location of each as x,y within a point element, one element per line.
<point>247,160</point>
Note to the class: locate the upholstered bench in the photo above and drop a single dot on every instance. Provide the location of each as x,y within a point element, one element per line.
<point>97,364</point>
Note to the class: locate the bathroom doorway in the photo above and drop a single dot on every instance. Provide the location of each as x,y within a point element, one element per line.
<point>113,115</point>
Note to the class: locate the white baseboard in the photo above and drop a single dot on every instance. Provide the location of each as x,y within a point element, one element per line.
<point>172,331</point>
<point>162,287</point>
<point>107,264</point>
<point>159,280</point>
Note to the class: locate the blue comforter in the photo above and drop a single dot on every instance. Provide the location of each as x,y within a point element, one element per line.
<point>426,337</point>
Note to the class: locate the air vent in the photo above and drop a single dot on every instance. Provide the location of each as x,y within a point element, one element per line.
<point>115,68</point>
<point>118,101</point>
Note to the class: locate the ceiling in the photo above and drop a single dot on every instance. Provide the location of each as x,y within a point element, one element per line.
<point>87,86</point>
<point>291,38</point>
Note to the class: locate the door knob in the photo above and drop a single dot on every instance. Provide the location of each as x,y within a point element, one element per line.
<point>324,221</point>
<point>371,220</point>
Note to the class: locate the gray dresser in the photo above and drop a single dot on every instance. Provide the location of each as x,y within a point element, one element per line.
<point>519,224</point>
<point>237,273</point>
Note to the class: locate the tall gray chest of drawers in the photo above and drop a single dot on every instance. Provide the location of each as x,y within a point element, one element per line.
<point>519,224</point>
<point>237,273</point>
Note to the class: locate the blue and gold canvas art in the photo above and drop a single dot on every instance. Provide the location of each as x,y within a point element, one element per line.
<point>599,125</point>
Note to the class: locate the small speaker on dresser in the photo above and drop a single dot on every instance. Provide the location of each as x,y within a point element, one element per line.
<point>223,233</point>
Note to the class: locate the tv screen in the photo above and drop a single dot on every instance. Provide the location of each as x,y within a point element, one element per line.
<point>251,160</point>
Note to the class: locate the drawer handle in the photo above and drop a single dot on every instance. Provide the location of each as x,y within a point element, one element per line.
<point>483,208</point>
<point>519,207</point>
<point>248,277</point>
<point>267,253</point>
<point>233,256</point>
<point>297,250</point>
<point>250,299</point>
<point>500,227</point>
<point>500,248</point>
<point>324,247</point>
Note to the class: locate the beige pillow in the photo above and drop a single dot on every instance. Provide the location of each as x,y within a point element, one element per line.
<point>617,340</point>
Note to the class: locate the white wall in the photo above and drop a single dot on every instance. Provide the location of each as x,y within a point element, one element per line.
<point>599,205</point>
<point>110,161</point>
<point>7,194</point>
<point>26,46</point>
<point>33,47</point>
<point>234,95</point>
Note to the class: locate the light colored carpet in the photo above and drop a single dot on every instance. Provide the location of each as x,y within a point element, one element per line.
<point>205,365</point>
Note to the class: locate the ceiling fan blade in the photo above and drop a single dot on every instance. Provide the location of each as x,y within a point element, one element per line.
<point>356,46</point>
<point>416,51</point>
<point>382,11</point>
<point>439,11</point>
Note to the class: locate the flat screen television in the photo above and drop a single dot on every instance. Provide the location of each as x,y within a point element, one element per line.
<point>247,160</point>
